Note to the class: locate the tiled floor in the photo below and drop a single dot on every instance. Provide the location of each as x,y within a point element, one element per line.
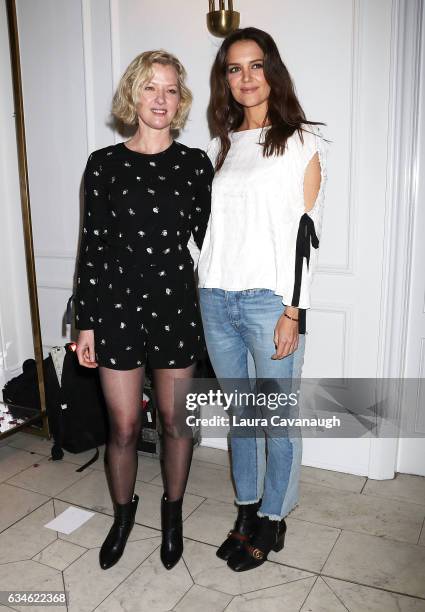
<point>352,544</point>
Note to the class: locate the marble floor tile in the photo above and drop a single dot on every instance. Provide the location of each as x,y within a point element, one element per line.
<point>210,522</point>
<point>403,487</point>
<point>378,562</point>
<point>28,536</point>
<point>212,455</point>
<point>88,584</point>
<point>149,508</point>
<point>19,503</point>
<point>211,572</point>
<point>31,442</point>
<point>47,477</point>
<point>283,598</point>
<point>59,554</point>
<point>14,460</point>
<point>31,576</point>
<point>150,587</point>
<point>422,536</point>
<point>89,492</point>
<point>136,552</point>
<point>357,598</point>
<point>92,492</point>
<point>208,480</point>
<point>92,533</point>
<point>200,597</point>
<point>321,598</point>
<point>307,545</point>
<point>365,513</point>
<point>329,478</point>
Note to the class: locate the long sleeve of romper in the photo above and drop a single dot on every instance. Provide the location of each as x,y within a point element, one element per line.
<point>90,244</point>
<point>201,208</point>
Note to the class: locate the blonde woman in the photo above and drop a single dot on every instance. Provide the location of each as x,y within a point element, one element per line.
<point>136,297</point>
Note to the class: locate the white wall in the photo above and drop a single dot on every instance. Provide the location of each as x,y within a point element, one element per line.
<point>340,53</point>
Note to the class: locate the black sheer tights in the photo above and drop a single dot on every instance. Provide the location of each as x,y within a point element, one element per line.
<point>177,439</point>
<point>123,390</point>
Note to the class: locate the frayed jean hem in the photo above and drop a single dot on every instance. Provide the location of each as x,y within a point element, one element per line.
<point>245,503</point>
<point>271,517</point>
<point>276,517</point>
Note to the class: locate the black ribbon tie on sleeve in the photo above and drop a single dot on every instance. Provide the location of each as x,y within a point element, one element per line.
<point>306,236</point>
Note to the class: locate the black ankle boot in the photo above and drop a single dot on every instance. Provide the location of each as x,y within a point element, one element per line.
<point>244,528</point>
<point>113,546</point>
<point>270,535</point>
<point>172,531</point>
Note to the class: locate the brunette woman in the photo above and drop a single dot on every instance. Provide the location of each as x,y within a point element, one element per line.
<point>256,266</point>
<point>136,296</point>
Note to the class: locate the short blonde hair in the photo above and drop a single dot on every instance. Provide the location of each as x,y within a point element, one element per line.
<point>141,71</point>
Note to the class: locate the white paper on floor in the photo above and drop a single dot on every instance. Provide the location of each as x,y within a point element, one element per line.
<point>69,520</point>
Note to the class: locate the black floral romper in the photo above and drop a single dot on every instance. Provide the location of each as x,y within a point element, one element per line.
<point>135,279</point>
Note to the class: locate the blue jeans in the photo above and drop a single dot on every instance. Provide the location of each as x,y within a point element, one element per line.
<point>237,325</point>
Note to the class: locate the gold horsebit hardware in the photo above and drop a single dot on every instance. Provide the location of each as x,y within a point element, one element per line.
<point>255,552</point>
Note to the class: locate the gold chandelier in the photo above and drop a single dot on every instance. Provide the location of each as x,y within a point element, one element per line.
<point>223,21</point>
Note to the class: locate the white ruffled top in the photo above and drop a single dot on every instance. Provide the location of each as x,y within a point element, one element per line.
<point>256,213</point>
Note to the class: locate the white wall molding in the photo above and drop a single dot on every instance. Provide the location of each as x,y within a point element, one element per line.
<point>354,101</point>
<point>97,41</point>
<point>50,284</point>
<point>398,222</point>
<point>88,74</point>
<point>46,254</point>
<point>346,310</point>
<point>401,185</point>
<point>115,49</point>
<point>356,64</point>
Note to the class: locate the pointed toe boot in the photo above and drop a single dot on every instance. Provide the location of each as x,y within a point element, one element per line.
<point>114,544</point>
<point>172,531</point>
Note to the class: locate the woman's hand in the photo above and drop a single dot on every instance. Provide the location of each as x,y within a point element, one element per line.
<point>85,348</point>
<point>286,334</point>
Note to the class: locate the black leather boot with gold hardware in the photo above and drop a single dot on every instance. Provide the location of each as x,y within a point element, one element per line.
<point>270,535</point>
<point>244,528</point>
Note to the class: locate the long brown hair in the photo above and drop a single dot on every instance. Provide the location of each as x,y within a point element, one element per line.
<point>284,113</point>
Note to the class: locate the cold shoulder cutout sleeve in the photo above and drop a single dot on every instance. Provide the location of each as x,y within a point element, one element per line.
<point>310,222</point>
